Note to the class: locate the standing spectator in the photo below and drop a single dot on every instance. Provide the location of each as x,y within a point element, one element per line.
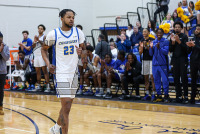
<point>195,61</point>
<point>136,37</point>
<point>187,12</point>
<point>159,50</point>
<point>163,6</point>
<point>4,56</point>
<point>102,47</point>
<point>147,64</point>
<point>39,63</point>
<point>132,74</point>
<point>179,61</point>
<point>122,31</point>
<point>152,27</point>
<point>26,44</point>
<point>114,50</point>
<point>138,24</point>
<point>124,44</point>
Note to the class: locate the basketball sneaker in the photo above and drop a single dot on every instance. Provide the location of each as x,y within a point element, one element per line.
<point>185,100</point>
<point>158,98</point>
<point>108,95</point>
<point>166,99</point>
<point>15,87</point>
<point>100,94</point>
<point>54,130</point>
<point>80,92</point>
<point>97,92</point>
<point>146,97</point>
<point>153,97</point>
<point>88,92</point>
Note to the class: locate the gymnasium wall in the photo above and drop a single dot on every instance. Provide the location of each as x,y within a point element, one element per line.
<point>91,14</point>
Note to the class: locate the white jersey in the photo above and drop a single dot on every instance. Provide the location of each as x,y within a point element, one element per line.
<point>65,58</point>
<point>37,49</point>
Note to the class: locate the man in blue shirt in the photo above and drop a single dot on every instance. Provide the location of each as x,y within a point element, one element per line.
<point>124,44</point>
<point>159,49</point>
<point>136,37</point>
<point>26,44</point>
<point>115,73</point>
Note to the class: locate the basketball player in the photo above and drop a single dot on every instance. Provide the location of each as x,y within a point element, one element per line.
<point>39,63</point>
<point>66,40</point>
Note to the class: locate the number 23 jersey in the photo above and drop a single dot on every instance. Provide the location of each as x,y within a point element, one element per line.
<point>64,43</point>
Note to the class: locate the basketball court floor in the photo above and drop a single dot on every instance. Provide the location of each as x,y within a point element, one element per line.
<point>35,114</point>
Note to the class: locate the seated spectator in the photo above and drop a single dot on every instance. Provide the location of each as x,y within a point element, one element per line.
<point>175,17</point>
<point>114,50</point>
<point>102,47</point>
<point>132,74</point>
<point>136,37</point>
<point>159,49</point>
<point>129,32</point>
<point>115,73</point>
<point>124,44</point>
<point>152,27</point>
<point>26,44</point>
<point>106,66</point>
<point>147,64</point>
<point>138,24</point>
<point>122,31</point>
<point>22,68</point>
<point>93,66</point>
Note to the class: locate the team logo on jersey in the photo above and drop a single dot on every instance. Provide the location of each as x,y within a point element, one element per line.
<point>67,42</point>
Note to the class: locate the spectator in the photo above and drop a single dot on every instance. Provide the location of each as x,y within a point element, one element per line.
<point>198,16</point>
<point>102,47</point>
<point>129,32</point>
<point>187,12</point>
<point>106,66</point>
<point>195,61</point>
<point>114,50</point>
<point>180,62</point>
<point>191,5</point>
<point>136,37</point>
<point>147,64</point>
<point>22,67</point>
<point>175,17</point>
<point>93,66</point>
<point>159,50</point>
<point>138,24</point>
<point>79,27</point>
<point>115,73</point>
<point>124,44</point>
<point>163,6</point>
<point>26,44</point>
<point>122,31</point>
<point>152,27</point>
<point>4,56</point>
<point>39,63</point>
<point>132,74</point>
<point>169,21</point>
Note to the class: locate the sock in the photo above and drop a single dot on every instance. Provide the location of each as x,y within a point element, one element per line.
<point>153,93</point>
<point>89,88</point>
<point>96,88</point>
<point>147,92</point>
<point>101,89</point>
<point>23,84</point>
<point>81,87</point>
<point>108,90</point>
<point>48,85</point>
<point>123,91</point>
<point>57,126</point>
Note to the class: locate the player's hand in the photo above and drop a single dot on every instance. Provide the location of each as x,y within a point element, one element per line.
<point>102,62</point>
<point>151,44</point>
<point>158,45</point>
<point>16,62</point>
<point>79,50</point>
<point>52,69</point>
<point>172,37</point>
<point>36,39</point>
<point>177,39</point>
<point>190,44</point>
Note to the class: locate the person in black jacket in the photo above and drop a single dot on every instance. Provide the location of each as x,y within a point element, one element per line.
<point>132,74</point>
<point>179,61</point>
<point>102,47</point>
<point>195,61</point>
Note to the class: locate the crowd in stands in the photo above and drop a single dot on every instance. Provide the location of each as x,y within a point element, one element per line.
<point>138,54</point>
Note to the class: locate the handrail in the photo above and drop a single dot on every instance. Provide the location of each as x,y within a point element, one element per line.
<point>139,15</point>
